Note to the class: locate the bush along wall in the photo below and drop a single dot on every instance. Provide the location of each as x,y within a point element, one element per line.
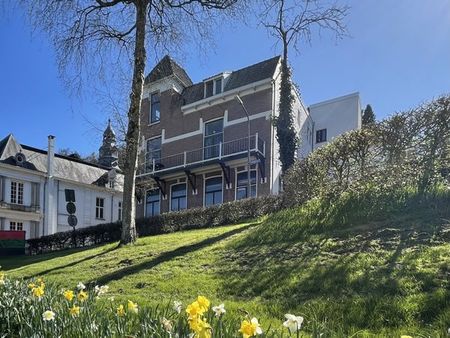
<point>196,218</point>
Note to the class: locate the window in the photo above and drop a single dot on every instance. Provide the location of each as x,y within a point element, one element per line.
<point>209,89</point>
<point>218,86</point>
<point>155,112</point>
<point>16,193</point>
<point>154,150</point>
<point>119,211</point>
<point>213,191</point>
<point>152,203</point>
<point>15,226</point>
<point>321,135</point>
<point>99,208</point>
<point>178,197</point>
<point>242,185</point>
<point>213,138</point>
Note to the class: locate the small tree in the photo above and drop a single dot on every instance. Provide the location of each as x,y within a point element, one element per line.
<point>368,116</point>
<point>291,21</point>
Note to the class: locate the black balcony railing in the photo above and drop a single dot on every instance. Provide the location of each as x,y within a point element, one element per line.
<point>19,207</point>
<point>220,151</point>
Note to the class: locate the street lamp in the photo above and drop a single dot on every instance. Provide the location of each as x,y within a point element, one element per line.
<point>239,100</point>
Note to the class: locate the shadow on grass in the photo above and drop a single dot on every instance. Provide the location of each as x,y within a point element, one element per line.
<point>44,272</point>
<point>359,276</point>
<point>167,256</point>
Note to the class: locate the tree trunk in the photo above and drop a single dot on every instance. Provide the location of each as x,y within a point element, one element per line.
<point>129,234</point>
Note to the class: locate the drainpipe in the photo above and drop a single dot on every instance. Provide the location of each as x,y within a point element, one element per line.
<point>50,191</point>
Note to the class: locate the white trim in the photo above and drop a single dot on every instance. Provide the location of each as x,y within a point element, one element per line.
<point>227,96</point>
<point>226,123</point>
<point>145,201</point>
<point>199,131</point>
<point>170,197</point>
<point>204,187</point>
<point>23,170</point>
<point>236,172</point>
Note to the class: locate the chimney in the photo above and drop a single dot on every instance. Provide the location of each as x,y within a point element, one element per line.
<point>50,155</point>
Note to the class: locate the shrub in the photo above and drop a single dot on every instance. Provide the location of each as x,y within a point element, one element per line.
<point>196,218</point>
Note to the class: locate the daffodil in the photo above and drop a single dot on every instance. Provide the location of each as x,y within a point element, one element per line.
<point>194,309</point>
<point>68,294</point>
<point>38,292</point>
<point>167,324</point>
<point>82,296</point>
<point>405,336</point>
<point>200,327</point>
<point>132,307</point>
<point>81,286</point>
<point>74,311</point>
<point>293,323</point>
<point>101,290</point>
<point>250,328</point>
<point>120,311</point>
<point>177,306</point>
<point>31,285</point>
<point>203,302</point>
<point>219,310</point>
<point>48,315</point>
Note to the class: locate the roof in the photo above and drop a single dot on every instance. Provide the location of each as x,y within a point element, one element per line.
<point>67,168</point>
<point>336,99</point>
<point>238,78</point>
<point>168,67</point>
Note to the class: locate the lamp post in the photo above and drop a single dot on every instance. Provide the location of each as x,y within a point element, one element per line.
<point>239,100</point>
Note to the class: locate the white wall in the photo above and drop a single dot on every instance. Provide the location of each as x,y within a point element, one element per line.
<point>85,203</point>
<point>337,116</point>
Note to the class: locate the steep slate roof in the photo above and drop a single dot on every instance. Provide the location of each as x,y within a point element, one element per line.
<point>64,167</point>
<point>167,67</point>
<point>251,74</point>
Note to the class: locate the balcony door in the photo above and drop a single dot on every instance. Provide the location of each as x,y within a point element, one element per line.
<point>212,138</point>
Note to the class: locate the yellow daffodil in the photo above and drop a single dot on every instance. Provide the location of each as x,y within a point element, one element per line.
<point>82,296</point>
<point>121,311</point>
<point>194,310</point>
<point>31,285</point>
<point>405,336</point>
<point>250,328</point>
<point>200,327</point>
<point>132,307</point>
<point>74,311</point>
<point>203,302</point>
<point>48,315</point>
<point>38,292</point>
<point>68,294</point>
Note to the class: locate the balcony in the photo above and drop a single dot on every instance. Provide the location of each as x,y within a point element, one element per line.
<point>203,156</point>
<point>19,207</point>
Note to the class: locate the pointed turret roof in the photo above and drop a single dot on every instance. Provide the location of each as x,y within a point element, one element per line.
<point>168,67</point>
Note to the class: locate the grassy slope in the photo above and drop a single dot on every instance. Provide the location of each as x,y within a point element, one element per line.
<point>322,261</point>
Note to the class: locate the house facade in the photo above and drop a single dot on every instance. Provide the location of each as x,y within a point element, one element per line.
<point>36,186</point>
<point>201,142</point>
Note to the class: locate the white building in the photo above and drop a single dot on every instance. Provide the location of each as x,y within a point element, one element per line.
<point>34,184</point>
<point>324,121</point>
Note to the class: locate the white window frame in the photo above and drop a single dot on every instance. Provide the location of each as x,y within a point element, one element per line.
<point>14,226</point>
<point>145,201</point>
<point>204,132</point>
<point>214,79</point>
<point>236,172</point>
<point>170,197</point>
<point>100,209</point>
<point>204,187</point>
<point>18,196</point>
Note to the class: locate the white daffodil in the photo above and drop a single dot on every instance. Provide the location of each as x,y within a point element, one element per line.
<point>219,310</point>
<point>101,290</point>
<point>81,286</point>
<point>258,329</point>
<point>177,306</point>
<point>167,324</point>
<point>293,323</point>
<point>48,315</point>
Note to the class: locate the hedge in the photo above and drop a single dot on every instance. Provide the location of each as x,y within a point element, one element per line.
<point>195,218</point>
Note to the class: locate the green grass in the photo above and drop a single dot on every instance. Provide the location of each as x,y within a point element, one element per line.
<point>384,272</point>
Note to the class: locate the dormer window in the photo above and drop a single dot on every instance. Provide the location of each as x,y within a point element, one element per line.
<point>213,87</point>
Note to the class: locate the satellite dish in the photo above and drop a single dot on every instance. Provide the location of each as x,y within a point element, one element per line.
<point>20,158</point>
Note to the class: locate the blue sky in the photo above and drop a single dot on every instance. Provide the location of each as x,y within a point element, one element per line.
<point>397,56</point>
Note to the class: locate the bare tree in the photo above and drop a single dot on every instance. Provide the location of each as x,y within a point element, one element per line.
<point>290,22</point>
<point>102,35</point>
